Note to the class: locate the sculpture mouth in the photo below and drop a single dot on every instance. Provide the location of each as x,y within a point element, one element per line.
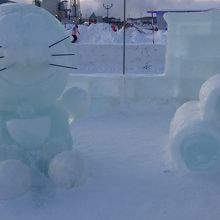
<point>37,82</point>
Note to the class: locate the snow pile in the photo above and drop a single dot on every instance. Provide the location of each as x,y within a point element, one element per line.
<point>195,128</point>
<point>102,33</point>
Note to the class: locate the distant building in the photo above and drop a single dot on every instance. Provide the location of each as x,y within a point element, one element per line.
<point>75,10</point>
<point>62,9</point>
<point>144,20</point>
<point>99,19</point>
<point>51,6</point>
<point>37,3</point>
<point>111,20</point>
<point>93,18</point>
<point>5,1</point>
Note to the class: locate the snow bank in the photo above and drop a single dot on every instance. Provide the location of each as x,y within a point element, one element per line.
<point>102,33</point>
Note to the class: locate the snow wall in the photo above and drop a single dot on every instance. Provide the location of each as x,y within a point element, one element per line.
<point>191,58</point>
<point>107,58</point>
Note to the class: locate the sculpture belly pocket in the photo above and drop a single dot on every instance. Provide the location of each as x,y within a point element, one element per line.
<point>29,133</point>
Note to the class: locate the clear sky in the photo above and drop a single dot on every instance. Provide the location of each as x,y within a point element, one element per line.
<point>138,7</point>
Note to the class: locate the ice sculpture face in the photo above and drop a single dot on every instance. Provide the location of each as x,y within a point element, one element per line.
<point>26,54</point>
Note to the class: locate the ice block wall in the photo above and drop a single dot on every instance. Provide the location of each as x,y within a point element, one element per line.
<point>192,56</point>
<point>192,50</point>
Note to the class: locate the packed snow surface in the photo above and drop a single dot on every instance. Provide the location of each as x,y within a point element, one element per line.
<point>127,175</point>
<point>140,59</point>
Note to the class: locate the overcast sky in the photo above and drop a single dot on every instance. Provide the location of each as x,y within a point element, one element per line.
<point>139,7</point>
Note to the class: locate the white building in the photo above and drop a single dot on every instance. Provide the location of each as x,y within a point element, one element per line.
<point>63,9</point>
<point>75,8</point>
<point>51,6</point>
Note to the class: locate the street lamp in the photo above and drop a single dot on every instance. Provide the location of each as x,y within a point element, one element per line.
<point>107,7</point>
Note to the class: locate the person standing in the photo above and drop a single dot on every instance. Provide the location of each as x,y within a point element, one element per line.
<point>75,31</point>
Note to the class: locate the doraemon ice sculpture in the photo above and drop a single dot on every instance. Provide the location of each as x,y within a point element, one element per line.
<point>34,130</point>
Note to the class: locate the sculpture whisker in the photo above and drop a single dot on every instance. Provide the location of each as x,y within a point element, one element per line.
<point>68,67</point>
<point>64,54</point>
<point>3,69</point>
<point>58,42</point>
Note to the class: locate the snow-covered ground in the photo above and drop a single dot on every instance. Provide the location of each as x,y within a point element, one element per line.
<point>127,175</point>
<point>140,58</point>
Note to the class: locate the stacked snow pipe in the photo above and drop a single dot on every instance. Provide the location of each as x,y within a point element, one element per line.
<point>195,130</point>
<point>210,100</point>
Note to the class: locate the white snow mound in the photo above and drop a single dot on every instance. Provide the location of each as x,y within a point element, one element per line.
<point>102,33</point>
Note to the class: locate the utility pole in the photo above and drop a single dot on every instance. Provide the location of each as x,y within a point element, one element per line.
<point>75,7</point>
<point>107,7</point>
<point>124,39</point>
<point>75,10</point>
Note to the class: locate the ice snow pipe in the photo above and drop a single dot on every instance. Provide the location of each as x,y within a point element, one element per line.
<point>194,131</point>
<point>35,107</point>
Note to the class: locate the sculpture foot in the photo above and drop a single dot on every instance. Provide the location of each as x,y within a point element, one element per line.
<point>66,169</point>
<point>15,179</point>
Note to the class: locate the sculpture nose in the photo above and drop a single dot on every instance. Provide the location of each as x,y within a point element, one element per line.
<point>25,56</point>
